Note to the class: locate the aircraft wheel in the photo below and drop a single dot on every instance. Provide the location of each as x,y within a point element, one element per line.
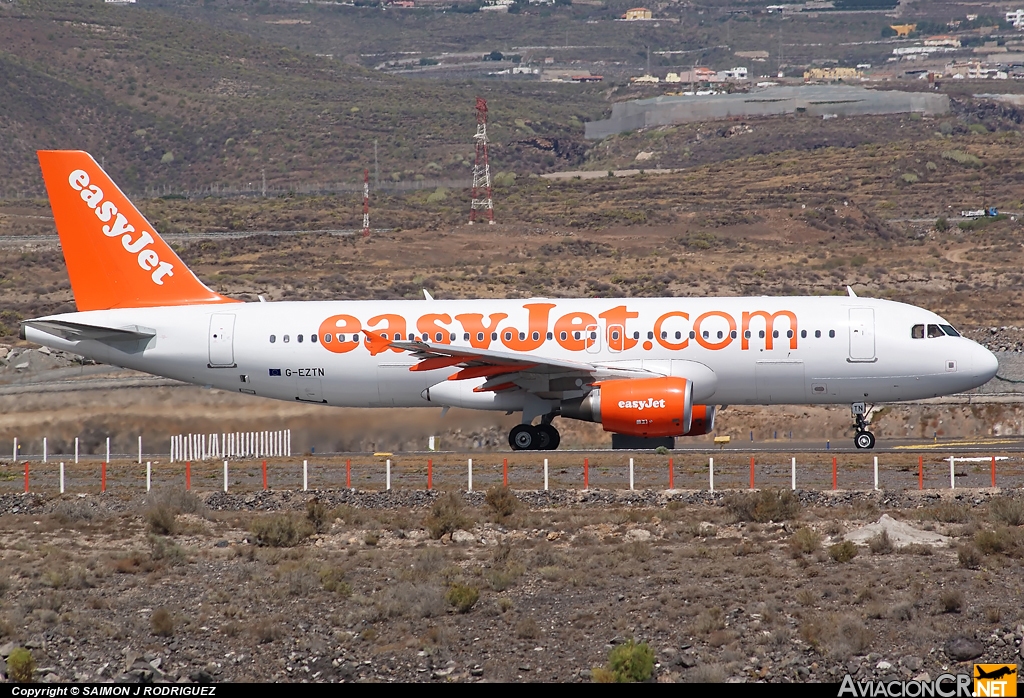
<point>864,439</point>
<point>524,438</point>
<point>548,437</point>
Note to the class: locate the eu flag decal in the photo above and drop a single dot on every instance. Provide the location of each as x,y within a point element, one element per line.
<point>275,372</point>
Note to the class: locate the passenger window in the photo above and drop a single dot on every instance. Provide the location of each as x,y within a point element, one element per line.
<point>273,338</point>
<point>934,331</point>
<point>412,337</point>
<point>508,336</point>
<point>775,334</point>
<point>299,338</point>
<point>438,336</point>
<point>522,336</point>
<point>917,332</point>
<point>832,334</point>
<point>761,334</point>
<point>479,336</point>
<point>563,336</point>
<point>536,336</point>
<point>494,336</point>
<point>328,338</point>
<point>789,334</point>
<point>817,334</point>
<point>285,338</point>
<point>664,334</point>
<point>692,334</point>
<point>679,335</point>
<point>551,335</point>
<point>636,335</point>
<point>746,334</point>
<point>384,335</point>
<point>312,338</point>
<point>426,337</point>
<point>593,335</point>
<point>615,334</point>
<point>720,333</point>
<point>705,334</point>
<point>650,335</point>
<point>948,329</point>
<point>451,337</point>
<point>465,337</point>
<point>803,334</point>
<point>733,334</point>
<point>575,335</point>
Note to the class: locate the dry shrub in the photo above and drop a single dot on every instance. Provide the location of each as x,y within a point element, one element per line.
<point>406,600</point>
<point>968,556</point>
<point>951,601</point>
<point>280,530</point>
<point>462,597</point>
<point>763,506</point>
<point>854,635</point>
<point>265,631</point>
<point>163,507</point>
<point>333,579</point>
<point>318,516</point>
<point>881,544</point>
<point>805,541</point>
<point>946,512</point>
<point>446,516</point>
<point>527,629</point>
<point>162,622</point>
<point>1007,511</point>
<point>708,621</point>
<point>502,501</point>
<point>76,511</point>
<point>917,549</point>
<point>843,552</point>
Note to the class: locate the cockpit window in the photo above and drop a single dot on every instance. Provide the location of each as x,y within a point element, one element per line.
<point>948,329</point>
<point>934,331</point>
<point>917,332</point>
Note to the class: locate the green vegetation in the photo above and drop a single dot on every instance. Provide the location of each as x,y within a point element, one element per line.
<point>446,516</point>
<point>462,597</point>
<point>842,552</point>
<point>959,156</point>
<point>21,666</point>
<point>627,663</point>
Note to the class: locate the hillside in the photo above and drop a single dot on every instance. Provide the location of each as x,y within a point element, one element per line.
<point>170,101</point>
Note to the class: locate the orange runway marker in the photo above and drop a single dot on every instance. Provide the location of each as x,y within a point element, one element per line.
<point>751,472</point>
<point>504,471</point>
<point>586,473</point>
<point>348,474</point>
<point>835,474</point>
<point>188,475</point>
<point>103,477</point>
<point>264,474</point>
<point>920,472</point>
<point>671,478</point>
<point>430,473</point>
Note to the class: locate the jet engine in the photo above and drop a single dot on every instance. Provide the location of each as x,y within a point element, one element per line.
<point>703,420</point>
<point>637,406</point>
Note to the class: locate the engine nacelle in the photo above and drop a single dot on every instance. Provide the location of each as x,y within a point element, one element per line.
<point>637,406</point>
<point>703,420</point>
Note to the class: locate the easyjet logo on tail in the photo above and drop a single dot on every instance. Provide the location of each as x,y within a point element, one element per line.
<point>118,226</point>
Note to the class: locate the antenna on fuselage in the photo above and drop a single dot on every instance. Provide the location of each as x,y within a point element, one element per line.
<point>849,290</point>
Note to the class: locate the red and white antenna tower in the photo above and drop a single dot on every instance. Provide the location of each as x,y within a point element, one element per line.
<point>366,203</point>
<point>481,168</point>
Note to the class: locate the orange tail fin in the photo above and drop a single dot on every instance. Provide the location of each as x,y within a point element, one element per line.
<point>115,259</point>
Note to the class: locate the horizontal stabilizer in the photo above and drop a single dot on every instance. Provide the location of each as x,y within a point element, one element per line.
<point>76,331</point>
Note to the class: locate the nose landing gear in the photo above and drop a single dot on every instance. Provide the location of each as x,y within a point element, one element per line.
<point>863,438</point>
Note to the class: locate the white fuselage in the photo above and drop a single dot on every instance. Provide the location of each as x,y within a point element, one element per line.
<point>832,349</point>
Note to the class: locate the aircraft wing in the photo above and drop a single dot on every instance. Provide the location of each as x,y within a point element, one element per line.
<point>547,377</point>
<point>76,331</point>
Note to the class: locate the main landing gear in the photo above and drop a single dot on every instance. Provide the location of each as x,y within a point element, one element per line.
<point>863,438</point>
<point>526,437</point>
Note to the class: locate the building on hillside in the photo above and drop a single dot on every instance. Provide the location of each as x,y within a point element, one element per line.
<point>976,70</point>
<point>903,29</point>
<point>637,13</point>
<point>587,78</point>
<point>942,40</point>
<point>739,73</point>
<point>1016,18</point>
<point>646,80</point>
<point>832,74</point>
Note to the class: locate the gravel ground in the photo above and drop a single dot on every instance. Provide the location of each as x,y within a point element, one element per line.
<point>722,586</point>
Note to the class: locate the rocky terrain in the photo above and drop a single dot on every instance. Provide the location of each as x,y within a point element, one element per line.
<point>411,585</point>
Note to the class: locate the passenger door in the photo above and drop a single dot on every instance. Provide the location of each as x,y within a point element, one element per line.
<point>862,335</point>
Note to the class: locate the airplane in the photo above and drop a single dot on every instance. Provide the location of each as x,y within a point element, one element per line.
<point>642,367</point>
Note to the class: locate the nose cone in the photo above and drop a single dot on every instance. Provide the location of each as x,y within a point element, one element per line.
<point>985,364</point>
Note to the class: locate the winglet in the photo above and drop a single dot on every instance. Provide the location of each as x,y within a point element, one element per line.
<point>115,258</point>
<point>377,341</point>
<point>427,296</point>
